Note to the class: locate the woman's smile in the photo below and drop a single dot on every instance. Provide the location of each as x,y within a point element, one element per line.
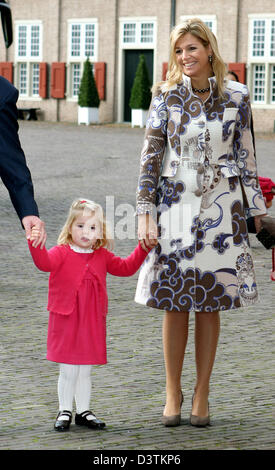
<point>192,57</point>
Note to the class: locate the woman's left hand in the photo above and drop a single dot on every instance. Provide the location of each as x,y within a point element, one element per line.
<point>258,223</point>
<point>147,232</point>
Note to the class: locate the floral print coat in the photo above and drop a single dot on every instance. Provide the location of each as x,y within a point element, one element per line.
<point>198,164</point>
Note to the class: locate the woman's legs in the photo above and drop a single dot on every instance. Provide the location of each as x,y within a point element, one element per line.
<point>175,335</point>
<point>207,328</point>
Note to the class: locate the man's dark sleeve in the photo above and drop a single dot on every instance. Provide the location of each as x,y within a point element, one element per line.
<point>13,168</point>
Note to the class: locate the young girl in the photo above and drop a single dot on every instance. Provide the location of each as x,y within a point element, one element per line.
<point>77,301</point>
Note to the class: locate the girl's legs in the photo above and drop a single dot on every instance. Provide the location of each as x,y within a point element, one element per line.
<point>74,382</point>
<point>207,328</point>
<point>66,387</point>
<point>175,335</point>
<point>83,389</point>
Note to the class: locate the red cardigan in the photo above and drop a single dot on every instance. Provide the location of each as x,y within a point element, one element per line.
<point>68,269</point>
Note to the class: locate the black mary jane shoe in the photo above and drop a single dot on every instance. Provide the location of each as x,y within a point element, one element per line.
<point>63,425</point>
<point>93,422</point>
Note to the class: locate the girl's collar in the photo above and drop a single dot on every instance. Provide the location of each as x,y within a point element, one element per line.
<point>78,249</point>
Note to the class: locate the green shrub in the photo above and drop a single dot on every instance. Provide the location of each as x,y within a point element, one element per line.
<point>88,94</point>
<point>141,90</point>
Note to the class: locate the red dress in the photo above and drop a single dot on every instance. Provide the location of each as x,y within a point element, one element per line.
<point>78,299</point>
<point>79,338</point>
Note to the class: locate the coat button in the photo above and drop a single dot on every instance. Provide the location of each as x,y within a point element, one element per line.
<point>200,169</point>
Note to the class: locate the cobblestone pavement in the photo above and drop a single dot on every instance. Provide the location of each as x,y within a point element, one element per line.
<point>68,161</point>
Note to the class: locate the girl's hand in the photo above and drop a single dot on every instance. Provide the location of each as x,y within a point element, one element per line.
<point>147,232</point>
<point>35,235</point>
<point>32,221</point>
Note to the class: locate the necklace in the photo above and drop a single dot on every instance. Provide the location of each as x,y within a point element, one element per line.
<point>201,90</point>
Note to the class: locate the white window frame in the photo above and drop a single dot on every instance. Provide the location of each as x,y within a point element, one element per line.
<point>31,61</point>
<point>137,44</point>
<point>266,60</point>
<point>205,18</point>
<point>73,60</point>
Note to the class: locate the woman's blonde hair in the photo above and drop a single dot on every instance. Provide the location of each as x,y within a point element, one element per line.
<point>200,30</point>
<point>86,207</point>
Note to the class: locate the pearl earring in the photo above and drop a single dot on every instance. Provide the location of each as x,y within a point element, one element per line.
<point>210,58</point>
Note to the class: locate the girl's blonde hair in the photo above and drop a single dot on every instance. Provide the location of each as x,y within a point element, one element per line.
<point>80,207</point>
<point>200,30</point>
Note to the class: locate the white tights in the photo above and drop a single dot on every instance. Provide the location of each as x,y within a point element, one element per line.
<point>74,382</point>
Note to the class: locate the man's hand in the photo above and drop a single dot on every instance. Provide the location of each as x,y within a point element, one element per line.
<point>31,221</point>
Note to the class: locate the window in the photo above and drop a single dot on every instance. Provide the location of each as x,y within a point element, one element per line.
<point>75,40</point>
<point>29,41</point>
<point>209,20</point>
<point>82,39</point>
<point>272,45</point>
<point>258,38</point>
<point>23,86</point>
<point>261,58</point>
<point>259,83</point>
<point>138,33</point>
<point>272,84</point>
<point>147,32</point>
<point>82,43</point>
<point>75,79</point>
<point>28,55</point>
<point>35,79</point>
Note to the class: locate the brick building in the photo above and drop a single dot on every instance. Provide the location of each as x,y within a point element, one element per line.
<point>53,38</point>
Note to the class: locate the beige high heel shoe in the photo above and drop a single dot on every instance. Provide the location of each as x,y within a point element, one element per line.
<point>173,420</point>
<point>199,421</point>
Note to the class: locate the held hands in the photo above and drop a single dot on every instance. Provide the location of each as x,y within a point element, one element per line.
<point>35,230</point>
<point>258,223</point>
<point>147,232</point>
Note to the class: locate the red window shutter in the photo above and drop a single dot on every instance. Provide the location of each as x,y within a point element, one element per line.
<point>164,70</point>
<point>100,78</point>
<point>58,75</point>
<point>43,80</point>
<point>239,69</point>
<point>6,70</point>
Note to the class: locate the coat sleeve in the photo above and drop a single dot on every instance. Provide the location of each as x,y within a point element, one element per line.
<point>125,266</point>
<point>46,260</point>
<point>152,154</point>
<point>13,168</point>
<point>245,156</point>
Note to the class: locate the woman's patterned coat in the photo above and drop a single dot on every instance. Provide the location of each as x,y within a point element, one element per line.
<point>198,177</point>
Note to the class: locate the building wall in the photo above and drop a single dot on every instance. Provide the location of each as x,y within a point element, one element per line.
<point>232,31</point>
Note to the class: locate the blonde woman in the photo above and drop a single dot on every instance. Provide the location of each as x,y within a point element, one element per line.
<point>77,302</point>
<point>198,124</point>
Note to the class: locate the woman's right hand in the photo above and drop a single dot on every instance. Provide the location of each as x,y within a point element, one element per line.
<point>147,232</point>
